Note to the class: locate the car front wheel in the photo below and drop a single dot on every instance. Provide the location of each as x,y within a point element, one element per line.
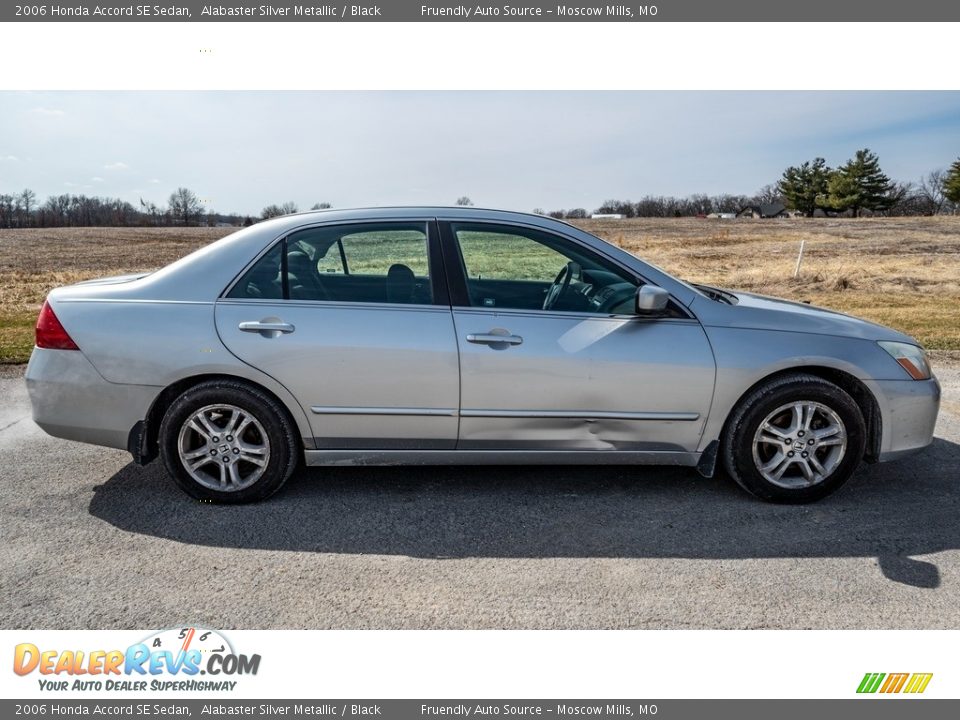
<point>795,439</point>
<point>227,442</point>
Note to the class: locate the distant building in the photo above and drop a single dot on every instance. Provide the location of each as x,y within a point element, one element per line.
<point>767,210</point>
<point>607,216</point>
<point>722,216</point>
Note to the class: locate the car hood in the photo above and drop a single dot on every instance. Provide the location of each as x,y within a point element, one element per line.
<point>769,313</point>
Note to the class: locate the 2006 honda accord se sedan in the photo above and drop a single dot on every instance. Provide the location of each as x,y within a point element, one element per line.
<point>458,335</point>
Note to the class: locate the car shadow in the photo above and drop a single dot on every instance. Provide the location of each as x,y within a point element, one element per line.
<point>892,512</point>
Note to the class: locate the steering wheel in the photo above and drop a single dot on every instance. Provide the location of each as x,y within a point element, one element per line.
<point>561,284</point>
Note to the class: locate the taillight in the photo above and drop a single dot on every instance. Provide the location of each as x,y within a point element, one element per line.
<point>50,333</point>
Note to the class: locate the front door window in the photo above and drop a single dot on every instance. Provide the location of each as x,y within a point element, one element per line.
<point>516,268</point>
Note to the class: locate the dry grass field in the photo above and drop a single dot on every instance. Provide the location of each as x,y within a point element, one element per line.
<point>902,272</point>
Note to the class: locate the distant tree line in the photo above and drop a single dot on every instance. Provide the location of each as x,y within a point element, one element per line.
<point>184,208</point>
<point>858,186</point>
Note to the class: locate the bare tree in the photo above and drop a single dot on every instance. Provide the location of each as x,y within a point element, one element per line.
<point>6,211</point>
<point>727,203</point>
<point>931,190</point>
<point>28,201</point>
<point>151,210</point>
<point>618,207</point>
<point>17,211</point>
<point>56,209</point>
<point>906,200</point>
<point>322,206</point>
<point>121,212</point>
<point>464,201</point>
<point>185,206</point>
<point>768,195</point>
<point>272,211</point>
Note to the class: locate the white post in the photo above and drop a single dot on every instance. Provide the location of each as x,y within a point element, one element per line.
<point>796,272</point>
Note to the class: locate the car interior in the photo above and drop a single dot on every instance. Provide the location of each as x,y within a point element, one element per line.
<point>530,270</point>
<point>318,269</point>
<point>575,289</point>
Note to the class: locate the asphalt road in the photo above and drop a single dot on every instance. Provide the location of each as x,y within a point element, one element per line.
<point>88,540</point>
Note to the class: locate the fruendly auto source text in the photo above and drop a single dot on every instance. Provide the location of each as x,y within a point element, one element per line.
<point>331,12</point>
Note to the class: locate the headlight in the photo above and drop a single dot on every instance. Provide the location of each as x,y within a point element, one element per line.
<point>911,358</point>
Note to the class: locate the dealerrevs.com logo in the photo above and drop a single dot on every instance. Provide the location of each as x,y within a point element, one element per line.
<point>911,683</point>
<point>169,660</point>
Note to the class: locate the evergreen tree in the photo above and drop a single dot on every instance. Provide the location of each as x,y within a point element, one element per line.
<point>951,184</point>
<point>860,185</point>
<point>804,188</point>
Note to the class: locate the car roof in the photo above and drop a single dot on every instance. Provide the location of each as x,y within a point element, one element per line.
<point>400,211</point>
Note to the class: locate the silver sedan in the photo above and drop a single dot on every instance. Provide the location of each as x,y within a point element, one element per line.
<point>458,335</point>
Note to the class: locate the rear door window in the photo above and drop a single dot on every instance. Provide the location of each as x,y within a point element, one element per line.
<point>368,263</point>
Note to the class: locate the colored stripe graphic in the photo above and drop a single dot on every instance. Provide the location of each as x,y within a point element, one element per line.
<point>894,683</point>
<point>918,682</point>
<point>870,682</point>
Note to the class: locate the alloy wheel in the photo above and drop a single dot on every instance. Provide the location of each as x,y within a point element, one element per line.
<point>223,447</point>
<point>799,444</point>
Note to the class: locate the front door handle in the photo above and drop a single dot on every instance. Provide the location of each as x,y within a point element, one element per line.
<point>268,328</point>
<point>493,338</point>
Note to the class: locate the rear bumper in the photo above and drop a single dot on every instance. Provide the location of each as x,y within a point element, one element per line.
<point>908,411</point>
<point>71,400</point>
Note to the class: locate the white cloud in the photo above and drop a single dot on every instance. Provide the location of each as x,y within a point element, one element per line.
<point>116,166</point>
<point>11,158</point>
<point>154,181</point>
<point>96,179</point>
<point>48,112</point>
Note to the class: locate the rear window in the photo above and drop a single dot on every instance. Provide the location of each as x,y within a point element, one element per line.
<point>263,280</point>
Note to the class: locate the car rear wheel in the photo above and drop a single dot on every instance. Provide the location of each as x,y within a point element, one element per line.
<point>228,442</point>
<point>795,439</point>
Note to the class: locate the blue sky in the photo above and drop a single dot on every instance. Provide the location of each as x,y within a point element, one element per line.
<point>518,150</point>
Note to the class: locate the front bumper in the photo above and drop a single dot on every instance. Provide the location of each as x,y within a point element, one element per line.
<point>908,413</point>
<point>71,400</point>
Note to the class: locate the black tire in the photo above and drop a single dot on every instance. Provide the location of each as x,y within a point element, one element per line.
<point>271,429</point>
<point>737,444</point>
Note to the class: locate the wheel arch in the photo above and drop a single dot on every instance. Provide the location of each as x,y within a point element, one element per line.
<point>852,385</point>
<point>143,442</point>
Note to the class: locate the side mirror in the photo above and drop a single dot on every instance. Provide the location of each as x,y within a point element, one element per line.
<point>651,300</point>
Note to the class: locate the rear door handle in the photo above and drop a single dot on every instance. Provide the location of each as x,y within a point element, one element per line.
<point>267,328</point>
<point>494,339</point>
